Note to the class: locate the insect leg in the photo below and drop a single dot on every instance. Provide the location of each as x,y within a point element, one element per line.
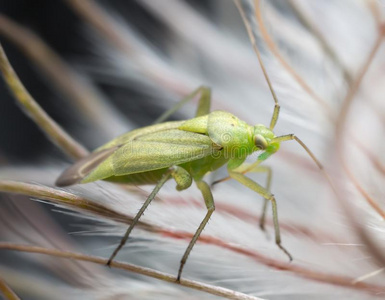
<point>267,195</point>
<point>159,185</point>
<point>203,105</point>
<point>209,201</point>
<point>247,168</point>
<point>263,169</point>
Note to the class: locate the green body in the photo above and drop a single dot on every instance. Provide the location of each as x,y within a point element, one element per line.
<point>199,145</point>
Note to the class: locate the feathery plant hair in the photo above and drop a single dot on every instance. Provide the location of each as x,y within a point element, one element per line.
<point>117,66</point>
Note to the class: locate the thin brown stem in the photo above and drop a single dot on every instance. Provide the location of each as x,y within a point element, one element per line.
<point>81,94</point>
<point>70,200</point>
<point>293,228</point>
<point>274,49</point>
<point>346,105</point>
<point>333,279</point>
<point>373,203</point>
<point>23,218</point>
<point>58,136</point>
<point>380,167</point>
<point>376,252</point>
<point>313,29</point>
<point>73,201</point>
<point>214,290</point>
<point>7,292</point>
<point>373,248</point>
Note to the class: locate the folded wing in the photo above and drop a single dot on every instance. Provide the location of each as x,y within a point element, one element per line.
<point>144,153</point>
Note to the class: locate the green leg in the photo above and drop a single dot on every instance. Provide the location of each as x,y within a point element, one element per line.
<point>265,201</point>
<point>209,201</point>
<point>268,196</point>
<point>203,105</point>
<point>248,168</point>
<point>159,185</point>
<point>204,102</point>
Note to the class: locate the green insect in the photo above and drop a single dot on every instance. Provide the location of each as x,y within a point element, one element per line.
<point>185,151</point>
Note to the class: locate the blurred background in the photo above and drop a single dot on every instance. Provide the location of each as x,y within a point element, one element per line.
<point>112,66</point>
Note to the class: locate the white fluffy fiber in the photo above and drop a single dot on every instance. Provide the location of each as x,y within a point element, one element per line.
<point>212,48</point>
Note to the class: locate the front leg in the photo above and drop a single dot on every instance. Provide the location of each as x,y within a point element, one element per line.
<point>247,168</point>
<point>268,196</point>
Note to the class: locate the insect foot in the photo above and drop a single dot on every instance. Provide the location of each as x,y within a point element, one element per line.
<point>108,264</point>
<point>286,252</point>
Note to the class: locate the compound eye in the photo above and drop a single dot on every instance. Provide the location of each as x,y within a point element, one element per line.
<point>260,142</point>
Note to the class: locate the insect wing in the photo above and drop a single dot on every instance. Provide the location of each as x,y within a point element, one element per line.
<point>152,152</point>
<point>138,133</point>
<point>160,150</point>
<point>76,172</point>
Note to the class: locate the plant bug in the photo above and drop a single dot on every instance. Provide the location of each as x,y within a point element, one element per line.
<point>186,151</point>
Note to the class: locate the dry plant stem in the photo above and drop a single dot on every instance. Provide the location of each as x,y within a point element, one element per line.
<point>77,202</point>
<point>219,291</point>
<point>373,203</point>
<point>372,247</point>
<point>312,28</point>
<point>274,49</point>
<point>318,276</point>
<point>80,203</point>
<point>356,84</point>
<point>48,235</point>
<point>65,79</point>
<point>246,216</point>
<point>370,155</point>
<point>346,104</point>
<point>67,199</point>
<point>59,137</point>
<point>7,292</point>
